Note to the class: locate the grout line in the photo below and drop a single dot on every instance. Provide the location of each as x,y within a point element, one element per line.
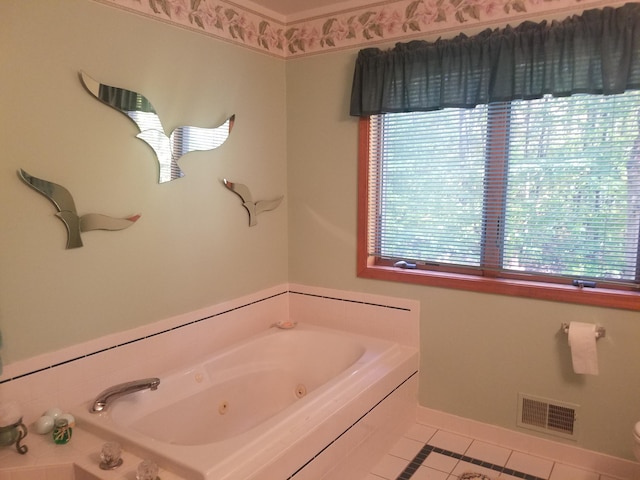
<point>427,449</point>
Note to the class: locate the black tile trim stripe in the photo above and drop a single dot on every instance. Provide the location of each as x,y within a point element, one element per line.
<point>198,320</point>
<point>421,456</point>
<point>404,309</point>
<point>26,374</point>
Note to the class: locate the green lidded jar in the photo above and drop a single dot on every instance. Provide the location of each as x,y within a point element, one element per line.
<point>61,431</point>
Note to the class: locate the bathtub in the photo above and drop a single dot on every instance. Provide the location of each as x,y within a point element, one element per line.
<point>261,409</point>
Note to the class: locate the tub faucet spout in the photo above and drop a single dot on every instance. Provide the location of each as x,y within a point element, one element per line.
<point>103,400</point>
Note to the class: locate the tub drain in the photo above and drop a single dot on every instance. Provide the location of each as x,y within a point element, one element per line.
<point>301,390</point>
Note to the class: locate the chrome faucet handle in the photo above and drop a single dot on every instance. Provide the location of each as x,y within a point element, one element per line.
<point>105,397</point>
<point>147,470</point>
<point>110,456</point>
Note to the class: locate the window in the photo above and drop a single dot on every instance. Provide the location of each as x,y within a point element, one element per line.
<point>538,198</point>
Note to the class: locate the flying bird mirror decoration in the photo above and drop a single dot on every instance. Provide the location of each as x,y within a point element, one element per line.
<point>62,199</point>
<point>168,149</point>
<point>254,208</point>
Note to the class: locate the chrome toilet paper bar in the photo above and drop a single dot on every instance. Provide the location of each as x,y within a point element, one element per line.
<point>600,331</point>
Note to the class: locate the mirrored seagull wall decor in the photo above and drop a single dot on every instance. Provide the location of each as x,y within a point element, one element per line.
<point>254,208</point>
<point>168,149</point>
<point>63,201</point>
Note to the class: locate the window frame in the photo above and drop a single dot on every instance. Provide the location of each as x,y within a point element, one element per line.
<point>374,268</point>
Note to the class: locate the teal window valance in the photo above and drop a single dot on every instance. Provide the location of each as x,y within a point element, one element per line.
<point>597,52</point>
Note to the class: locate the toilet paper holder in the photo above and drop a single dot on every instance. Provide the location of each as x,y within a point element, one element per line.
<point>600,331</point>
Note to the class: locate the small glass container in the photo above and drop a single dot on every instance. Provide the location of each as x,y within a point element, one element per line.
<point>147,470</point>
<point>110,456</point>
<point>61,431</point>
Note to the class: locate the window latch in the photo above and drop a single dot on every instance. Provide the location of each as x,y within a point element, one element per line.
<point>584,283</point>
<point>404,264</point>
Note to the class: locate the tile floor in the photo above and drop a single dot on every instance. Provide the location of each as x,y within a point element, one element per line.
<point>426,453</point>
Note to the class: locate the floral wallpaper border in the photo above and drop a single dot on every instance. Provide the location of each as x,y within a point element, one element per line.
<point>388,21</point>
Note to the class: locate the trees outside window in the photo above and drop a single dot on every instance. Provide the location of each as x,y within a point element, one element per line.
<point>539,198</point>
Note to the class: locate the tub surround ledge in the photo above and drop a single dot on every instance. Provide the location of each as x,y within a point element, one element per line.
<point>77,460</point>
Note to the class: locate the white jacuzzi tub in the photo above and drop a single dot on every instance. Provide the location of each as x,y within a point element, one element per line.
<point>268,404</point>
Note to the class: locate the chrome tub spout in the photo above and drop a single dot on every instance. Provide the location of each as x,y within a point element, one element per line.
<point>103,400</point>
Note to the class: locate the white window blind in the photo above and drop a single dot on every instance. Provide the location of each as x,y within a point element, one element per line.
<point>536,187</point>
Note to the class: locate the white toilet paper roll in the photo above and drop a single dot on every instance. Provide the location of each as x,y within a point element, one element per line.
<point>582,340</point>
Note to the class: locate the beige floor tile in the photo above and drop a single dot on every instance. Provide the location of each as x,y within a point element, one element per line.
<point>522,462</point>
<point>426,473</point>
<point>488,453</point>
<point>406,448</point>
<point>450,441</point>
<point>389,467</point>
<point>420,432</point>
<point>440,462</point>
<point>565,472</point>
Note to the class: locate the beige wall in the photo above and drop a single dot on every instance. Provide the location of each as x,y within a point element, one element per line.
<point>477,351</point>
<point>192,247</point>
